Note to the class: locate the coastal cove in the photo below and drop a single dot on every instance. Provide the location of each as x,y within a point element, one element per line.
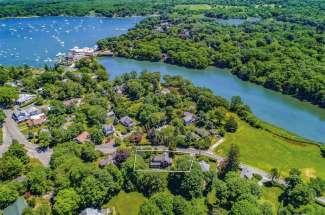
<point>281,110</point>
<point>36,41</point>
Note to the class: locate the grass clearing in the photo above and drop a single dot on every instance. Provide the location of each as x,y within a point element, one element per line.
<point>126,203</point>
<point>265,150</point>
<point>272,194</point>
<point>194,6</point>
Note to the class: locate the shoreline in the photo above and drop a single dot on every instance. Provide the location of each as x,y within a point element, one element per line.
<point>86,16</point>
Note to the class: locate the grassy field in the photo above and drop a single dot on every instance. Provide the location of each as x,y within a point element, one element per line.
<point>271,194</point>
<point>194,6</point>
<point>265,150</point>
<point>126,203</point>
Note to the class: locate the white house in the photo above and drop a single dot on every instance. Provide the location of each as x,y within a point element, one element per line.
<point>23,98</point>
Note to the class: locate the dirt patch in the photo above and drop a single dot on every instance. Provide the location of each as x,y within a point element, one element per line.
<point>309,172</point>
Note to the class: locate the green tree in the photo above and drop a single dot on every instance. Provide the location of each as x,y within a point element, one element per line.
<point>7,195</point>
<point>152,183</point>
<point>149,208</point>
<point>2,117</point>
<point>275,174</point>
<point>17,150</point>
<point>231,125</point>
<point>322,150</point>
<point>38,180</point>
<point>187,184</point>
<point>244,207</point>
<point>97,135</point>
<point>8,95</point>
<point>10,167</point>
<point>93,191</point>
<point>66,202</point>
<point>116,175</point>
<point>232,161</point>
<point>181,206</point>
<point>88,152</point>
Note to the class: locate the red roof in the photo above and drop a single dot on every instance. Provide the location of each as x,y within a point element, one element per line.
<point>83,137</point>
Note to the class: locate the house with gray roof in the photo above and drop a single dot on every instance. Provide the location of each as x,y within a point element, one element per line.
<point>23,98</point>
<point>17,208</point>
<point>127,121</point>
<point>161,161</point>
<point>108,130</point>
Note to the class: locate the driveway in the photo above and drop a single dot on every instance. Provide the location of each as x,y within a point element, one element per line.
<point>11,131</point>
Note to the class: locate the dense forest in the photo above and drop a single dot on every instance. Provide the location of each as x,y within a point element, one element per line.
<point>282,51</point>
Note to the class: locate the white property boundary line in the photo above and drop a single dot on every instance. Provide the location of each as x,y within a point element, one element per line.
<point>161,170</point>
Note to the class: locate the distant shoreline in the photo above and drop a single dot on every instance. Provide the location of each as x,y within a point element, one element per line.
<point>27,17</point>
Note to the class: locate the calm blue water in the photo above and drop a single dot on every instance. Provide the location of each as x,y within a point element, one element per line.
<point>36,41</point>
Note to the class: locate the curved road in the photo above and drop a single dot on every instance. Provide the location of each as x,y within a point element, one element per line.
<point>11,131</point>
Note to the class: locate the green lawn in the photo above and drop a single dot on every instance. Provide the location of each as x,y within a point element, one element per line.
<point>264,150</point>
<point>194,6</point>
<point>272,194</point>
<point>126,203</point>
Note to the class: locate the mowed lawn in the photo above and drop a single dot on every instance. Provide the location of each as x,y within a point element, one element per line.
<point>264,150</point>
<point>126,203</point>
<point>193,6</point>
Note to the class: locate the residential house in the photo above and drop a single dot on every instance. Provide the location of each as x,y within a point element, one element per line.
<point>20,115</point>
<point>23,98</point>
<point>161,161</point>
<point>205,167</point>
<point>108,130</point>
<point>127,121</point>
<point>83,137</point>
<point>36,120</point>
<point>17,208</point>
<point>32,111</point>
<point>92,211</point>
<point>189,118</point>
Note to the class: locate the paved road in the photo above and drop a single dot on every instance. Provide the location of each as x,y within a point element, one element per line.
<point>12,131</point>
